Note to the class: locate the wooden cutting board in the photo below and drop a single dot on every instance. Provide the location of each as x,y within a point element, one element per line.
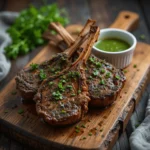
<point>98,130</point>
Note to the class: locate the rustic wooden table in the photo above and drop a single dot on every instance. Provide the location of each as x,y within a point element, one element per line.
<point>104,11</point>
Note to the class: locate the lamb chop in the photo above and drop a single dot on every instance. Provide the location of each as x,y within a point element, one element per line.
<point>103,79</point>
<point>29,79</point>
<point>65,100</point>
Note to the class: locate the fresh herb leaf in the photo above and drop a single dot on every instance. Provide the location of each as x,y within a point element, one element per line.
<point>102,82</point>
<point>117,77</point>
<point>142,37</point>
<point>77,127</point>
<point>20,111</point>
<point>77,130</point>
<point>63,112</point>
<point>108,74</point>
<point>79,91</point>
<point>83,126</point>
<point>42,74</point>
<point>90,134</point>
<point>98,64</point>
<point>73,94</point>
<point>84,138</point>
<point>57,95</point>
<point>134,66</point>
<point>125,71</point>
<point>102,70</point>
<point>50,83</point>
<point>92,59</point>
<point>26,32</point>
<point>69,87</point>
<point>34,66</point>
<point>95,73</point>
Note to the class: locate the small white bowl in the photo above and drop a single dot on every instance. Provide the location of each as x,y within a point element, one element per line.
<point>119,59</point>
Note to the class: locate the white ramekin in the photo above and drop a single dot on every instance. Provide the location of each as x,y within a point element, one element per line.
<point>119,59</point>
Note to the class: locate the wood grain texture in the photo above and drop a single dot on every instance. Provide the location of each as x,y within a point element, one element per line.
<point>104,11</point>
<point>103,124</point>
<point>126,20</point>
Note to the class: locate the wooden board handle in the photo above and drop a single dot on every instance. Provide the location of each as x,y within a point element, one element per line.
<point>126,20</point>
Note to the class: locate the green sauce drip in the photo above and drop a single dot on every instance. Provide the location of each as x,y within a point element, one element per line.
<point>112,45</point>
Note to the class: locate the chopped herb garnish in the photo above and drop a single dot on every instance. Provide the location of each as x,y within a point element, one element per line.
<point>79,91</point>
<point>142,37</point>
<point>83,126</point>
<point>63,112</point>
<point>69,87</point>
<point>6,111</point>
<point>92,59</point>
<point>57,95</point>
<point>20,111</point>
<point>77,127</point>
<point>108,74</point>
<point>50,83</point>
<point>117,77</point>
<point>61,87</point>
<point>125,71</point>
<point>42,74</point>
<point>63,81</point>
<point>73,74</point>
<point>13,92</point>
<point>90,134</point>
<point>34,66</point>
<point>95,73</point>
<point>134,66</point>
<point>102,82</point>
<point>26,32</point>
<point>73,94</point>
<point>102,70</point>
<point>77,130</point>
<point>90,77</point>
<point>52,70</point>
<point>63,77</point>
<point>57,72</point>
<point>98,64</point>
<point>84,138</point>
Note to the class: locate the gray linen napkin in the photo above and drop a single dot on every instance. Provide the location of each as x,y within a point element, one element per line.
<point>6,19</point>
<point>140,138</point>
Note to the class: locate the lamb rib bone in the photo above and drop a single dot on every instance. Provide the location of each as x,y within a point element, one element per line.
<point>29,79</point>
<point>65,100</point>
<point>104,82</point>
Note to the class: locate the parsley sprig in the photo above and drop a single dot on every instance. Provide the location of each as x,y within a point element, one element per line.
<point>26,32</point>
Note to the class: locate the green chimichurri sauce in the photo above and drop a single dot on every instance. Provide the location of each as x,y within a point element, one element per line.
<point>112,45</point>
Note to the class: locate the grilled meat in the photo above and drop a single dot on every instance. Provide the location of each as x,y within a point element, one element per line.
<point>29,79</point>
<point>65,100</point>
<point>103,79</point>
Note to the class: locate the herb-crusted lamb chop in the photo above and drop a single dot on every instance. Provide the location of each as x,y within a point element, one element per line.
<point>103,79</point>
<point>29,79</point>
<point>65,100</point>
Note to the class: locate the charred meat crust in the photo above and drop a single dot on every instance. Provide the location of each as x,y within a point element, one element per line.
<point>104,82</point>
<point>102,95</point>
<point>28,80</point>
<point>65,100</point>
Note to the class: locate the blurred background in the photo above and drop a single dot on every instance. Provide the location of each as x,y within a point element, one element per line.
<point>104,11</point>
